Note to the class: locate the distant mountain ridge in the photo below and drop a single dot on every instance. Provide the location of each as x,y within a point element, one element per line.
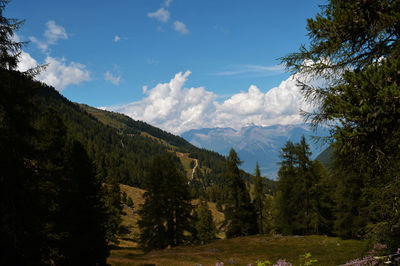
<point>255,143</point>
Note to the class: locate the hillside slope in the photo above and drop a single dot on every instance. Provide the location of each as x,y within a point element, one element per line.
<point>121,147</point>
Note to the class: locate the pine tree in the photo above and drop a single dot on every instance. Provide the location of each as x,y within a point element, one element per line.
<point>10,49</point>
<point>298,197</point>
<point>355,48</point>
<point>258,199</point>
<point>20,208</point>
<point>286,198</point>
<point>165,214</point>
<point>82,211</point>
<point>113,203</point>
<point>204,224</point>
<point>240,216</point>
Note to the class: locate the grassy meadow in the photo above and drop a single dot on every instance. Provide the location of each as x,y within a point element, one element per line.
<point>247,250</point>
<point>241,250</point>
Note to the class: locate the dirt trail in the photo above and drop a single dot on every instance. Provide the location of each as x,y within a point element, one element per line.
<point>194,168</point>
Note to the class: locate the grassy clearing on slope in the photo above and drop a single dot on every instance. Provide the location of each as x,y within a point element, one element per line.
<point>246,250</point>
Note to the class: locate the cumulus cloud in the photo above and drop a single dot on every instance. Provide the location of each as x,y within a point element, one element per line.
<point>280,105</point>
<point>58,72</point>
<point>113,79</point>
<point>177,109</point>
<point>52,34</point>
<point>180,27</point>
<point>171,106</point>
<point>117,38</point>
<point>161,15</point>
<point>26,62</point>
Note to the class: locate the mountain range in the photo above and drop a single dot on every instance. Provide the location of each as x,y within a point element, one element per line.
<point>255,143</point>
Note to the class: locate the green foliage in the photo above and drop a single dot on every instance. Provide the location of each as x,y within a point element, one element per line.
<point>258,199</point>
<point>112,202</point>
<point>165,214</point>
<point>9,48</point>
<point>129,202</point>
<point>300,190</point>
<point>51,201</point>
<point>239,212</point>
<point>20,206</point>
<point>306,260</point>
<point>82,212</point>
<point>204,224</point>
<point>355,47</point>
<point>124,199</point>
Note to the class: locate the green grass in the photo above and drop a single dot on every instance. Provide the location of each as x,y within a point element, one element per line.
<point>243,250</point>
<point>246,250</point>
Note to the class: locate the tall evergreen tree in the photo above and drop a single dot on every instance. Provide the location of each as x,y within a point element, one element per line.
<point>20,222</point>
<point>9,48</point>
<point>239,212</point>
<point>165,214</point>
<point>258,199</point>
<point>298,197</point>
<point>355,47</point>
<point>113,203</point>
<point>286,198</point>
<point>204,224</point>
<point>83,216</point>
<point>20,226</point>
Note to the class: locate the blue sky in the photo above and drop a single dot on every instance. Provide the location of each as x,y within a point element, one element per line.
<point>130,56</point>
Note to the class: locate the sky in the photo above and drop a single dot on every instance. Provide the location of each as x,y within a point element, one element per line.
<point>176,64</point>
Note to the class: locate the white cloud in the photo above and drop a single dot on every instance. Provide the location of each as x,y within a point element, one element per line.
<point>41,44</point>
<point>26,62</point>
<point>167,3</point>
<point>175,108</point>
<point>180,27</point>
<point>58,72</point>
<point>113,79</point>
<point>117,38</point>
<point>161,15</point>
<point>52,34</point>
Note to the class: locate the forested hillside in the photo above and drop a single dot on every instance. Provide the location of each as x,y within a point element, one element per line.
<point>122,148</point>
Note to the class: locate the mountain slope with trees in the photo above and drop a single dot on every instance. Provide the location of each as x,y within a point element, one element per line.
<point>122,147</point>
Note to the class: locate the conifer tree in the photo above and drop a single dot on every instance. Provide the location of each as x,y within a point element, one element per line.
<point>286,198</point>
<point>299,210</point>
<point>258,199</point>
<point>114,208</point>
<point>9,48</point>
<point>355,48</point>
<point>20,222</point>
<point>83,214</point>
<point>240,216</point>
<point>204,224</point>
<point>165,214</point>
